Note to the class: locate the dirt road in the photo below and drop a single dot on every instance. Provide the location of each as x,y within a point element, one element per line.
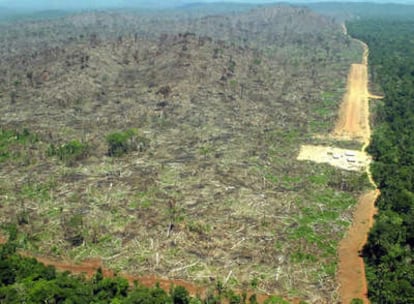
<point>353,114</point>
<point>353,123</point>
<point>90,266</point>
<point>351,269</point>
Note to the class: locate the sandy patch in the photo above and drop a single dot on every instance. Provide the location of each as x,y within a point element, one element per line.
<point>352,160</point>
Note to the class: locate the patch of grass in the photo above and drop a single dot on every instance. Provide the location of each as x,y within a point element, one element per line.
<point>257,61</point>
<point>37,191</point>
<point>69,152</point>
<point>275,300</point>
<point>233,83</point>
<point>198,227</point>
<point>320,179</point>
<point>301,257</point>
<point>325,112</point>
<point>140,202</point>
<point>9,139</point>
<point>319,126</point>
<point>329,268</point>
<point>206,150</point>
<point>307,233</point>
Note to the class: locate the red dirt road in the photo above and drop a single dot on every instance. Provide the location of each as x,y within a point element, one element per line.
<point>353,123</point>
<point>90,266</point>
<point>351,269</point>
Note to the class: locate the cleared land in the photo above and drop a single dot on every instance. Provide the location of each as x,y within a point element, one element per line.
<point>341,158</point>
<point>208,189</point>
<point>352,123</point>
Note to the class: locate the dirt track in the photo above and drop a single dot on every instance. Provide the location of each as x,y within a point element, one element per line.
<point>353,123</point>
<point>90,266</point>
<point>351,270</point>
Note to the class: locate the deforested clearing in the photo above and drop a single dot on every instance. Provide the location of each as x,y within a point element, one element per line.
<point>166,144</point>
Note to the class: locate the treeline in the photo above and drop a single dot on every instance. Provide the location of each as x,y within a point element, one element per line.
<point>389,252</point>
<point>25,280</point>
<point>355,10</point>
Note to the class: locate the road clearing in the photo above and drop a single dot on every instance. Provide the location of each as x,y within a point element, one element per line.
<point>353,113</point>
<point>353,124</point>
<point>351,269</point>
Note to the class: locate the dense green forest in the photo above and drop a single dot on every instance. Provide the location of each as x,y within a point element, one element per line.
<point>388,254</point>
<point>342,11</point>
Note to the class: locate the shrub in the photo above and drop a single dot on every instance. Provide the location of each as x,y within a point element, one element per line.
<point>72,151</point>
<point>180,295</point>
<point>123,142</point>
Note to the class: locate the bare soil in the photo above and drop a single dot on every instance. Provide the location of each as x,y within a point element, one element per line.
<point>341,158</point>
<point>353,123</point>
<point>351,270</point>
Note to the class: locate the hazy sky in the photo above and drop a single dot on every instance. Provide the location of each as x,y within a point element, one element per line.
<point>58,4</point>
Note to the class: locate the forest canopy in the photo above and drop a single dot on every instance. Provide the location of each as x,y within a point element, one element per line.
<point>388,253</point>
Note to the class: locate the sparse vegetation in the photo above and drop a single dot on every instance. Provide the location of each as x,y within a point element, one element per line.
<point>11,143</point>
